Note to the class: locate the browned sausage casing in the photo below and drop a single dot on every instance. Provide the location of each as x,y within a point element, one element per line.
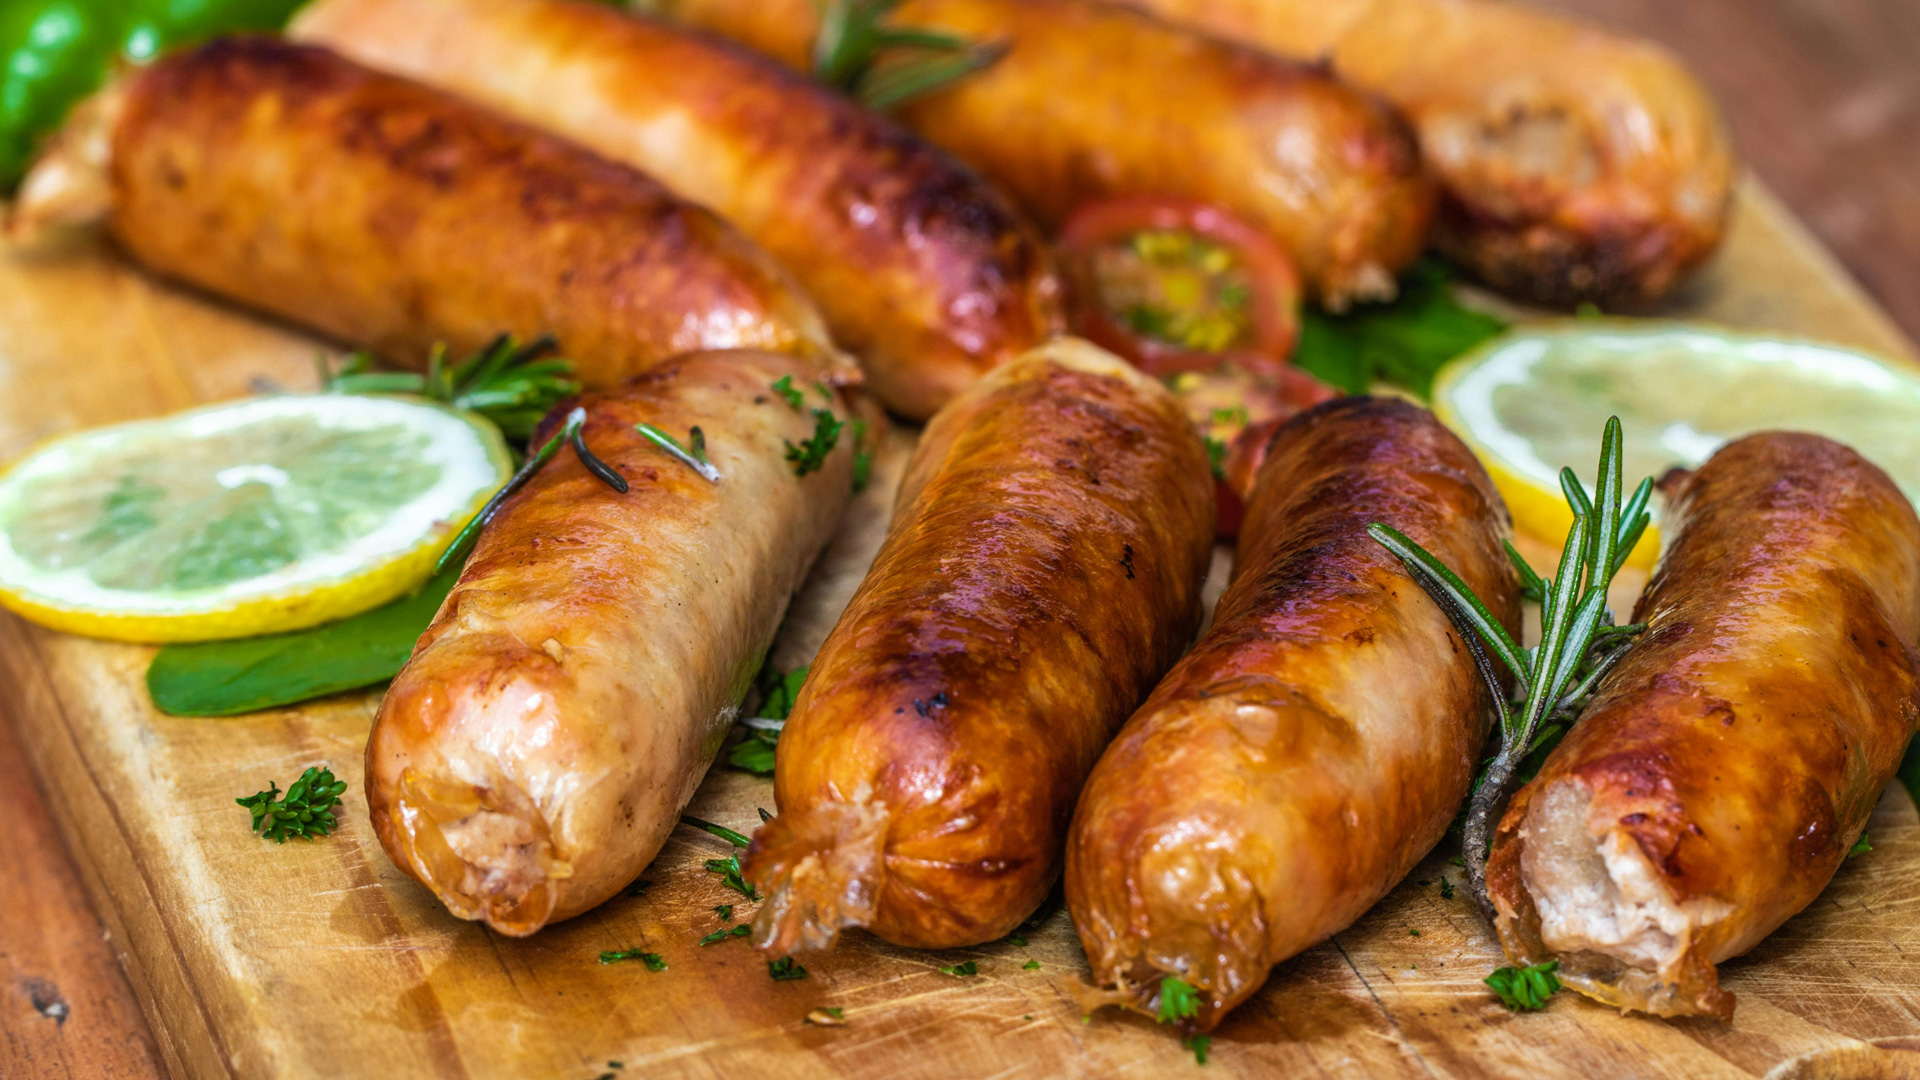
<point>1097,100</point>
<point>923,269</point>
<point>536,750</point>
<point>1042,570</point>
<point>1576,164</point>
<point>1315,744</point>
<point>393,216</point>
<point>1723,770</point>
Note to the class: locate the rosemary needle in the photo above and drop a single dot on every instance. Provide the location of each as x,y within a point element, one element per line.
<point>1579,642</point>
<point>695,459</point>
<point>569,434</point>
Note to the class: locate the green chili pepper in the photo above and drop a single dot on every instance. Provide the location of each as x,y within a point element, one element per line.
<point>55,52</point>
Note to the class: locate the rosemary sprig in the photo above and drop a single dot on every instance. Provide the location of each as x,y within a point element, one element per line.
<point>847,52</point>
<point>1579,642</point>
<point>513,385</point>
<point>693,456</point>
<point>569,433</point>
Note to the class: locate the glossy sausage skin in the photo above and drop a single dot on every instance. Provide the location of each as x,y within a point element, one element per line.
<point>392,216</point>
<point>1043,568</point>
<point>923,269</point>
<point>1576,165</point>
<point>1317,741</point>
<point>1096,100</point>
<point>1723,770</point>
<point>536,750</point>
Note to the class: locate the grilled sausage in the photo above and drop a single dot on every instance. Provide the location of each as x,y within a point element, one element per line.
<point>536,750</point>
<point>393,216</point>
<point>1725,767</point>
<point>1096,100</point>
<point>1577,165</point>
<point>923,269</point>
<point>1317,741</point>
<point>1043,568</point>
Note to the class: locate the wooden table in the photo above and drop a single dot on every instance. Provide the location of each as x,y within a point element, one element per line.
<point>1826,106</point>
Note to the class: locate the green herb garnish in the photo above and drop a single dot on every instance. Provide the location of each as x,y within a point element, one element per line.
<point>726,932</point>
<point>1446,889</point>
<point>961,970</point>
<point>1199,1044</point>
<point>693,455</point>
<point>1579,642</point>
<point>1031,965</point>
<point>513,385</point>
<point>1405,342</point>
<point>305,811</point>
<point>755,753</point>
<point>729,867</point>
<point>724,912</point>
<point>1525,989</point>
<point>227,678</point>
<point>570,434</point>
<point>1216,456</point>
<point>847,54</point>
<point>785,388</point>
<point>785,969</point>
<point>1860,846</point>
<point>653,960</point>
<point>811,455</point>
<point>1178,1000</point>
<point>862,457</point>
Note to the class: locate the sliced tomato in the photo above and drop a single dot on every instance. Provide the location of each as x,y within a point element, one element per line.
<point>1237,407</point>
<point>1175,285</point>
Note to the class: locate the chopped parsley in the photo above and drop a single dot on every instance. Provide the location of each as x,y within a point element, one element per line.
<point>305,811</point>
<point>828,1016</point>
<point>1413,933</point>
<point>1031,965</point>
<point>1525,989</point>
<point>784,387</point>
<point>785,969</point>
<point>1017,939</point>
<point>651,959</point>
<point>811,455</point>
<point>754,753</point>
<point>1446,888</point>
<point>961,970</point>
<point>1216,456</point>
<point>1860,846</point>
<point>1178,1000</point>
<point>724,912</point>
<point>729,871</point>
<point>724,933</point>
<point>1199,1044</point>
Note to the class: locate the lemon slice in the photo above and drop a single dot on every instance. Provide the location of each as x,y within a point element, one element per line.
<point>1536,399</point>
<point>247,518</point>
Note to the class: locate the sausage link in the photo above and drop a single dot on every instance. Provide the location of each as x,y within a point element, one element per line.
<point>1577,165</point>
<point>1723,770</point>
<point>923,269</point>
<point>393,216</point>
<point>1315,744</point>
<point>1042,570</point>
<point>536,750</point>
<point>1096,100</point>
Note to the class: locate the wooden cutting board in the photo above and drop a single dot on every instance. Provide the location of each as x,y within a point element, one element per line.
<point>322,960</point>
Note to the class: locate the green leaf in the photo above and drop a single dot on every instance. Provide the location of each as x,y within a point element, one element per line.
<point>1031,965</point>
<point>726,932</point>
<point>1178,999</point>
<point>961,970</point>
<point>785,969</point>
<point>1525,989</point>
<point>1199,1044</point>
<point>811,455</point>
<point>1860,846</point>
<point>1406,341</point>
<point>227,678</point>
<point>653,960</point>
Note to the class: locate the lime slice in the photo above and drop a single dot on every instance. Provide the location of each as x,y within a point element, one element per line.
<point>1536,399</point>
<point>247,518</point>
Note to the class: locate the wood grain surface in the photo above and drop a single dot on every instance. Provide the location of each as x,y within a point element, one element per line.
<point>1825,102</point>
